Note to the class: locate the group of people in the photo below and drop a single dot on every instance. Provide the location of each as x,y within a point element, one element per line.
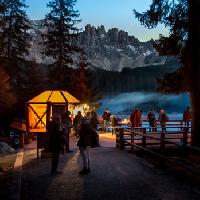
<point>91,116</point>
<point>85,130</point>
<point>109,120</point>
<point>136,119</point>
<point>163,118</point>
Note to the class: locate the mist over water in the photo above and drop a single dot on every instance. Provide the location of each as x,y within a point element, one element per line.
<point>123,104</point>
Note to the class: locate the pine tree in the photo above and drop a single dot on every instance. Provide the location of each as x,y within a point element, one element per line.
<point>194,66</point>
<point>182,18</point>
<point>14,41</point>
<point>83,83</point>
<point>32,82</point>
<point>14,36</point>
<point>7,98</point>
<point>1,8</point>
<point>61,31</point>
<point>174,15</point>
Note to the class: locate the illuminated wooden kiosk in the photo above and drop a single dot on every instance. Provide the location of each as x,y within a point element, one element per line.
<point>41,108</point>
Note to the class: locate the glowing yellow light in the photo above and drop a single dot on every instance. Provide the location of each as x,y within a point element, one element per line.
<point>85,106</point>
<point>125,121</point>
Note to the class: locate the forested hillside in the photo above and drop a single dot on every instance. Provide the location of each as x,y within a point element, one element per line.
<point>129,80</point>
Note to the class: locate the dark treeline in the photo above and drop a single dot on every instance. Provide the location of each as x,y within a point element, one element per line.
<point>129,80</point>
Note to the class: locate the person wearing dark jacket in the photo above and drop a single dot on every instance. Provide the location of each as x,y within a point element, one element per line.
<point>163,118</point>
<point>77,123</point>
<point>152,120</point>
<point>114,123</point>
<point>55,143</point>
<point>66,125</point>
<point>106,119</point>
<point>187,116</point>
<point>86,134</point>
<point>94,121</point>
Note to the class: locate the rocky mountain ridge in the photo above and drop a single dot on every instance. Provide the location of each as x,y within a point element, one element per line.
<point>110,50</point>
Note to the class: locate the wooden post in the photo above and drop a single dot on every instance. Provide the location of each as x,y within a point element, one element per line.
<point>162,141</point>
<point>26,134</point>
<point>121,138</point>
<point>27,118</point>
<point>37,147</point>
<point>21,139</point>
<point>185,136</point>
<point>132,140</point>
<point>181,126</point>
<point>144,138</point>
<point>117,140</point>
<point>48,114</point>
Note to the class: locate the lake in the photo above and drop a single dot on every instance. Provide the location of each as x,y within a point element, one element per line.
<point>123,104</point>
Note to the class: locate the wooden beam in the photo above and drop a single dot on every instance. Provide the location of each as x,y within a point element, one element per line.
<point>37,115</point>
<point>27,119</point>
<point>40,120</point>
<point>48,114</point>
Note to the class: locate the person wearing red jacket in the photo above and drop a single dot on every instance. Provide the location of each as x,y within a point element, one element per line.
<point>187,116</point>
<point>135,118</point>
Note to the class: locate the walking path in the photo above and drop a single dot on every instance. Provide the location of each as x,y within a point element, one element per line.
<point>115,175</point>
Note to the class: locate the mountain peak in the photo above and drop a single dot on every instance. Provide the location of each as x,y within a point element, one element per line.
<point>111,50</point>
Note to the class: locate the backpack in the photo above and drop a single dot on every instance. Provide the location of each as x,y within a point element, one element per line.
<point>94,138</point>
<point>164,117</point>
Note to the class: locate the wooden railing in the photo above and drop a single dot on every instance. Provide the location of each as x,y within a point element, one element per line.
<point>141,138</point>
<point>176,134</point>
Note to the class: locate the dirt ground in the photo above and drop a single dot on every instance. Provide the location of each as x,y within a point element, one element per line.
<point>9,180</point>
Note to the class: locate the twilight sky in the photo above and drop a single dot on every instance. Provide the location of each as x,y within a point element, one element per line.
<point>110,13</point>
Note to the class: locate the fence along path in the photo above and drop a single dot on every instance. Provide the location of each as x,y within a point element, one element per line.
<point>177,135</point>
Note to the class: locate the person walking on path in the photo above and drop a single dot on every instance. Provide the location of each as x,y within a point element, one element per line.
<point>135,118</point>
<point>114,124</point>
<point>152,120</point>
<point>66,125</point>
<point>86,135</point>
<point>187,116</point>
<point>106,119</point>
<point>163,118</point>
<point>77,123</point>
<point>94,121</point>
<point>55,143</point>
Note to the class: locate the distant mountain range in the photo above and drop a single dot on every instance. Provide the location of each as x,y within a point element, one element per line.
<point>110,50</point>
